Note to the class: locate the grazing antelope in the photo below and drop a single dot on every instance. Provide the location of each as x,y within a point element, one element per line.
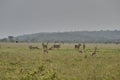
<point>57,46</point>
<point>77,46</point>
<point>81,51</point>
<point>45,50</point>
<point>51,48</point>
<point>33,47</point>
<point>44,46</point>
<point>94,52</point>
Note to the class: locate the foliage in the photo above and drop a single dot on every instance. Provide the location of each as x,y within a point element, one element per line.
<point>77,36</point>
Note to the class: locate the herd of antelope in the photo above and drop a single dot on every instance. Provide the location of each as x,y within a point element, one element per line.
<point>83,50</point>
<point>57,46</point>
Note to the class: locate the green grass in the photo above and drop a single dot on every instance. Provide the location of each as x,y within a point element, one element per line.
<point>17,62</point>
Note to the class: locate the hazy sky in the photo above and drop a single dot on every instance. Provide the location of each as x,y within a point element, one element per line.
<point>19,17</point>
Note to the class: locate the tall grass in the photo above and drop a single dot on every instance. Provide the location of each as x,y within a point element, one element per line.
<point>18,62</point>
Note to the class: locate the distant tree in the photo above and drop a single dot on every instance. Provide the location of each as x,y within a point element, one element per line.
<point>4,40</point>
<point>11,38</point>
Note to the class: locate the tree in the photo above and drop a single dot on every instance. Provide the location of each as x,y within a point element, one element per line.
<point>4,40</point>
<point>11,38</point>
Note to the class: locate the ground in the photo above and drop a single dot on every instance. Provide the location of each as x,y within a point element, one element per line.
<point>18,62</point>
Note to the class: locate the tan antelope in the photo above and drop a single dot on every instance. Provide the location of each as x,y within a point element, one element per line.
<point>51,48</point>
<point>33,47</point>
<point>84,46</point>
<point>94,51</point>
<point>45,51</point>
<point>77,46</point>
<point>80,51</point>
<point>44,46</point>
<point>57,46</point>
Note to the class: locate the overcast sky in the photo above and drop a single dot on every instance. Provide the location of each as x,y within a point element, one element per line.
<point>19,17</point>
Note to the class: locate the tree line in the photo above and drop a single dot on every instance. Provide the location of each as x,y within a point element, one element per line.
<point>76,36</point>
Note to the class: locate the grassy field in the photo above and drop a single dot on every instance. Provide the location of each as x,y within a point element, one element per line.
<point>18,62</point>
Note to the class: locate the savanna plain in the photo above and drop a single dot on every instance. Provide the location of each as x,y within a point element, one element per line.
<point>18,62</point>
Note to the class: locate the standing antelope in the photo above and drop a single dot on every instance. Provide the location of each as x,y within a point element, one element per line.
<point>45,50</point>
<point>84,46</point>
<point>57,46</point>
<point>94,51</point>
<point>44,46</point>
<point>77,46</point>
